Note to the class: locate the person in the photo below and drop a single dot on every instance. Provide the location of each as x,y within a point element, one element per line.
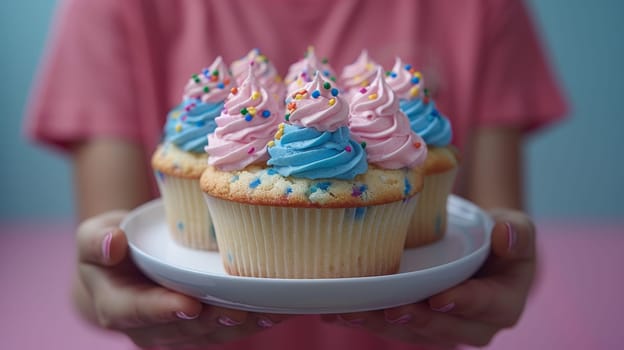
<point>114,68</point>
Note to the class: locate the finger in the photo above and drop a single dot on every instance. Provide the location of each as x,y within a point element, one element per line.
<point>485,300</point>
<point>513,235</point>
<point>100,241</point>
<point>448,329</point>
<point>121,302</point>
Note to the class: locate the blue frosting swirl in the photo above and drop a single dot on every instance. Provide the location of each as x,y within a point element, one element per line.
<point>427,122</point>
<point>188,129</point>
<point>313,154</point>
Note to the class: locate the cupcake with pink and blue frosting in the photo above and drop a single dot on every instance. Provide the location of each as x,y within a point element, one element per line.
<point>430,221</point>
<point>317,208</point>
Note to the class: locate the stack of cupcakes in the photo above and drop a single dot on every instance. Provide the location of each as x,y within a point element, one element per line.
<point>329,181</point>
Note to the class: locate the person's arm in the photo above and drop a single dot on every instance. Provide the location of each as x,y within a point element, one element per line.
<point>109,174</point>
<point>491,168</point>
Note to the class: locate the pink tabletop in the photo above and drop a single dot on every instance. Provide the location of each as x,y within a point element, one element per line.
<point>576,303</point>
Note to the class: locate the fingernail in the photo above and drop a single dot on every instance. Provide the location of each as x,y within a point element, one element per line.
<point>264,322</point>
<point>446,308</point>
<point>403,319</point>
<point>106,242</point>
<point>226,321</point>
<point>182,315</point>
<point>511,236</point>
<point>354,322</point>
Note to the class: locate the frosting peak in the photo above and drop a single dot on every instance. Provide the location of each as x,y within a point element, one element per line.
<point>376,120</point>
<point>264,71</point>
<point>248,121</point>
<point>405,81</point>
<point>302,71</point>
<point>213,84</point>
<point>317,105</point>
<point>359,74</point>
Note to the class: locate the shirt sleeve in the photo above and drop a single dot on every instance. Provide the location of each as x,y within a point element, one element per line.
<point>84,88</point>
<point>516,86</point>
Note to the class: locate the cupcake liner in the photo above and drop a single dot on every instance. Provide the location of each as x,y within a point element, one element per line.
<point>429,221</point>
<point>187,215</point>
<point>291,242</point>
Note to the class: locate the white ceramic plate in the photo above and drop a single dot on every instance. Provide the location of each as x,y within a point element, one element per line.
<point>424,271</point>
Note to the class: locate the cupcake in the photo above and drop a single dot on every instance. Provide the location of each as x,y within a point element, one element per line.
<point>179,160</point>
<point>316,210</point>
<point>429,221</point>
<point>264,71</point>
<point>301,72</point>
<point>357,75</point>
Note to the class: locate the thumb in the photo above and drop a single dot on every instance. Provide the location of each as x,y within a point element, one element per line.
<point>101,241</point>
<point>513,235</point>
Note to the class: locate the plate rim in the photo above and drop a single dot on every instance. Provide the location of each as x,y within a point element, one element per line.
<point>135,249</point>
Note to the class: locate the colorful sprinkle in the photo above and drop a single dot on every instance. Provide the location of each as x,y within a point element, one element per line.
<point>359,213</point>
<point>348,148</point>
<point>363,144</point>
<point>206,72</point>
<point>271,171</point>
<point>214,78</point>
<point>243,111</point>
<point>251,110</point>
<point>271,143</point>
<point>251,150</point>
<point>327,85</point>
<point>334,92</point>
<point>291,106</point>
<point>178,127</point>
<point>226,81</point>
<point>248,117</point>
<point>417,144</point>
<point>363,90</point>
<point>215,73</point>
<point>316,94</point>
<point>255,95</point>
<point>255,183</point>
<point>331,102</point>
<point>326,73</point>
<point>234,90</point>
<point>415,80</point>
<point>288,191</point>
<point>372,96</point>
<point>287,117</point>
<point>408,187</point>
<point>333,79</point>
<point>357,191</point>
<point>221,85</point>
<point>234,178</point>
<point>408,66</point>
<point>414,91</point>
<point>206,89</point>
<point>324,60</point>
<point>266,113</point>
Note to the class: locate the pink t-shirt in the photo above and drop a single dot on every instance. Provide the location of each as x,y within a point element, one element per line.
<point>114,69</point>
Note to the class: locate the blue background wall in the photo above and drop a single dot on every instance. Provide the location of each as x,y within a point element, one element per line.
<point>573,170</point>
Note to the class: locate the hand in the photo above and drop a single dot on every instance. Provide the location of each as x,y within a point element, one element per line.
<point>112,292</point>
<point>472,312</point>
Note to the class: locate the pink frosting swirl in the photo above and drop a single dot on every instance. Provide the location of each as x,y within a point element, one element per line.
<point>318,105</point>
<point>405,81</point>
<point>307,66</point>
<point>359,74</point>
<point>213,84</point>
<point>249,120</point>
<point>375,118</point>
<point>264,71</point>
